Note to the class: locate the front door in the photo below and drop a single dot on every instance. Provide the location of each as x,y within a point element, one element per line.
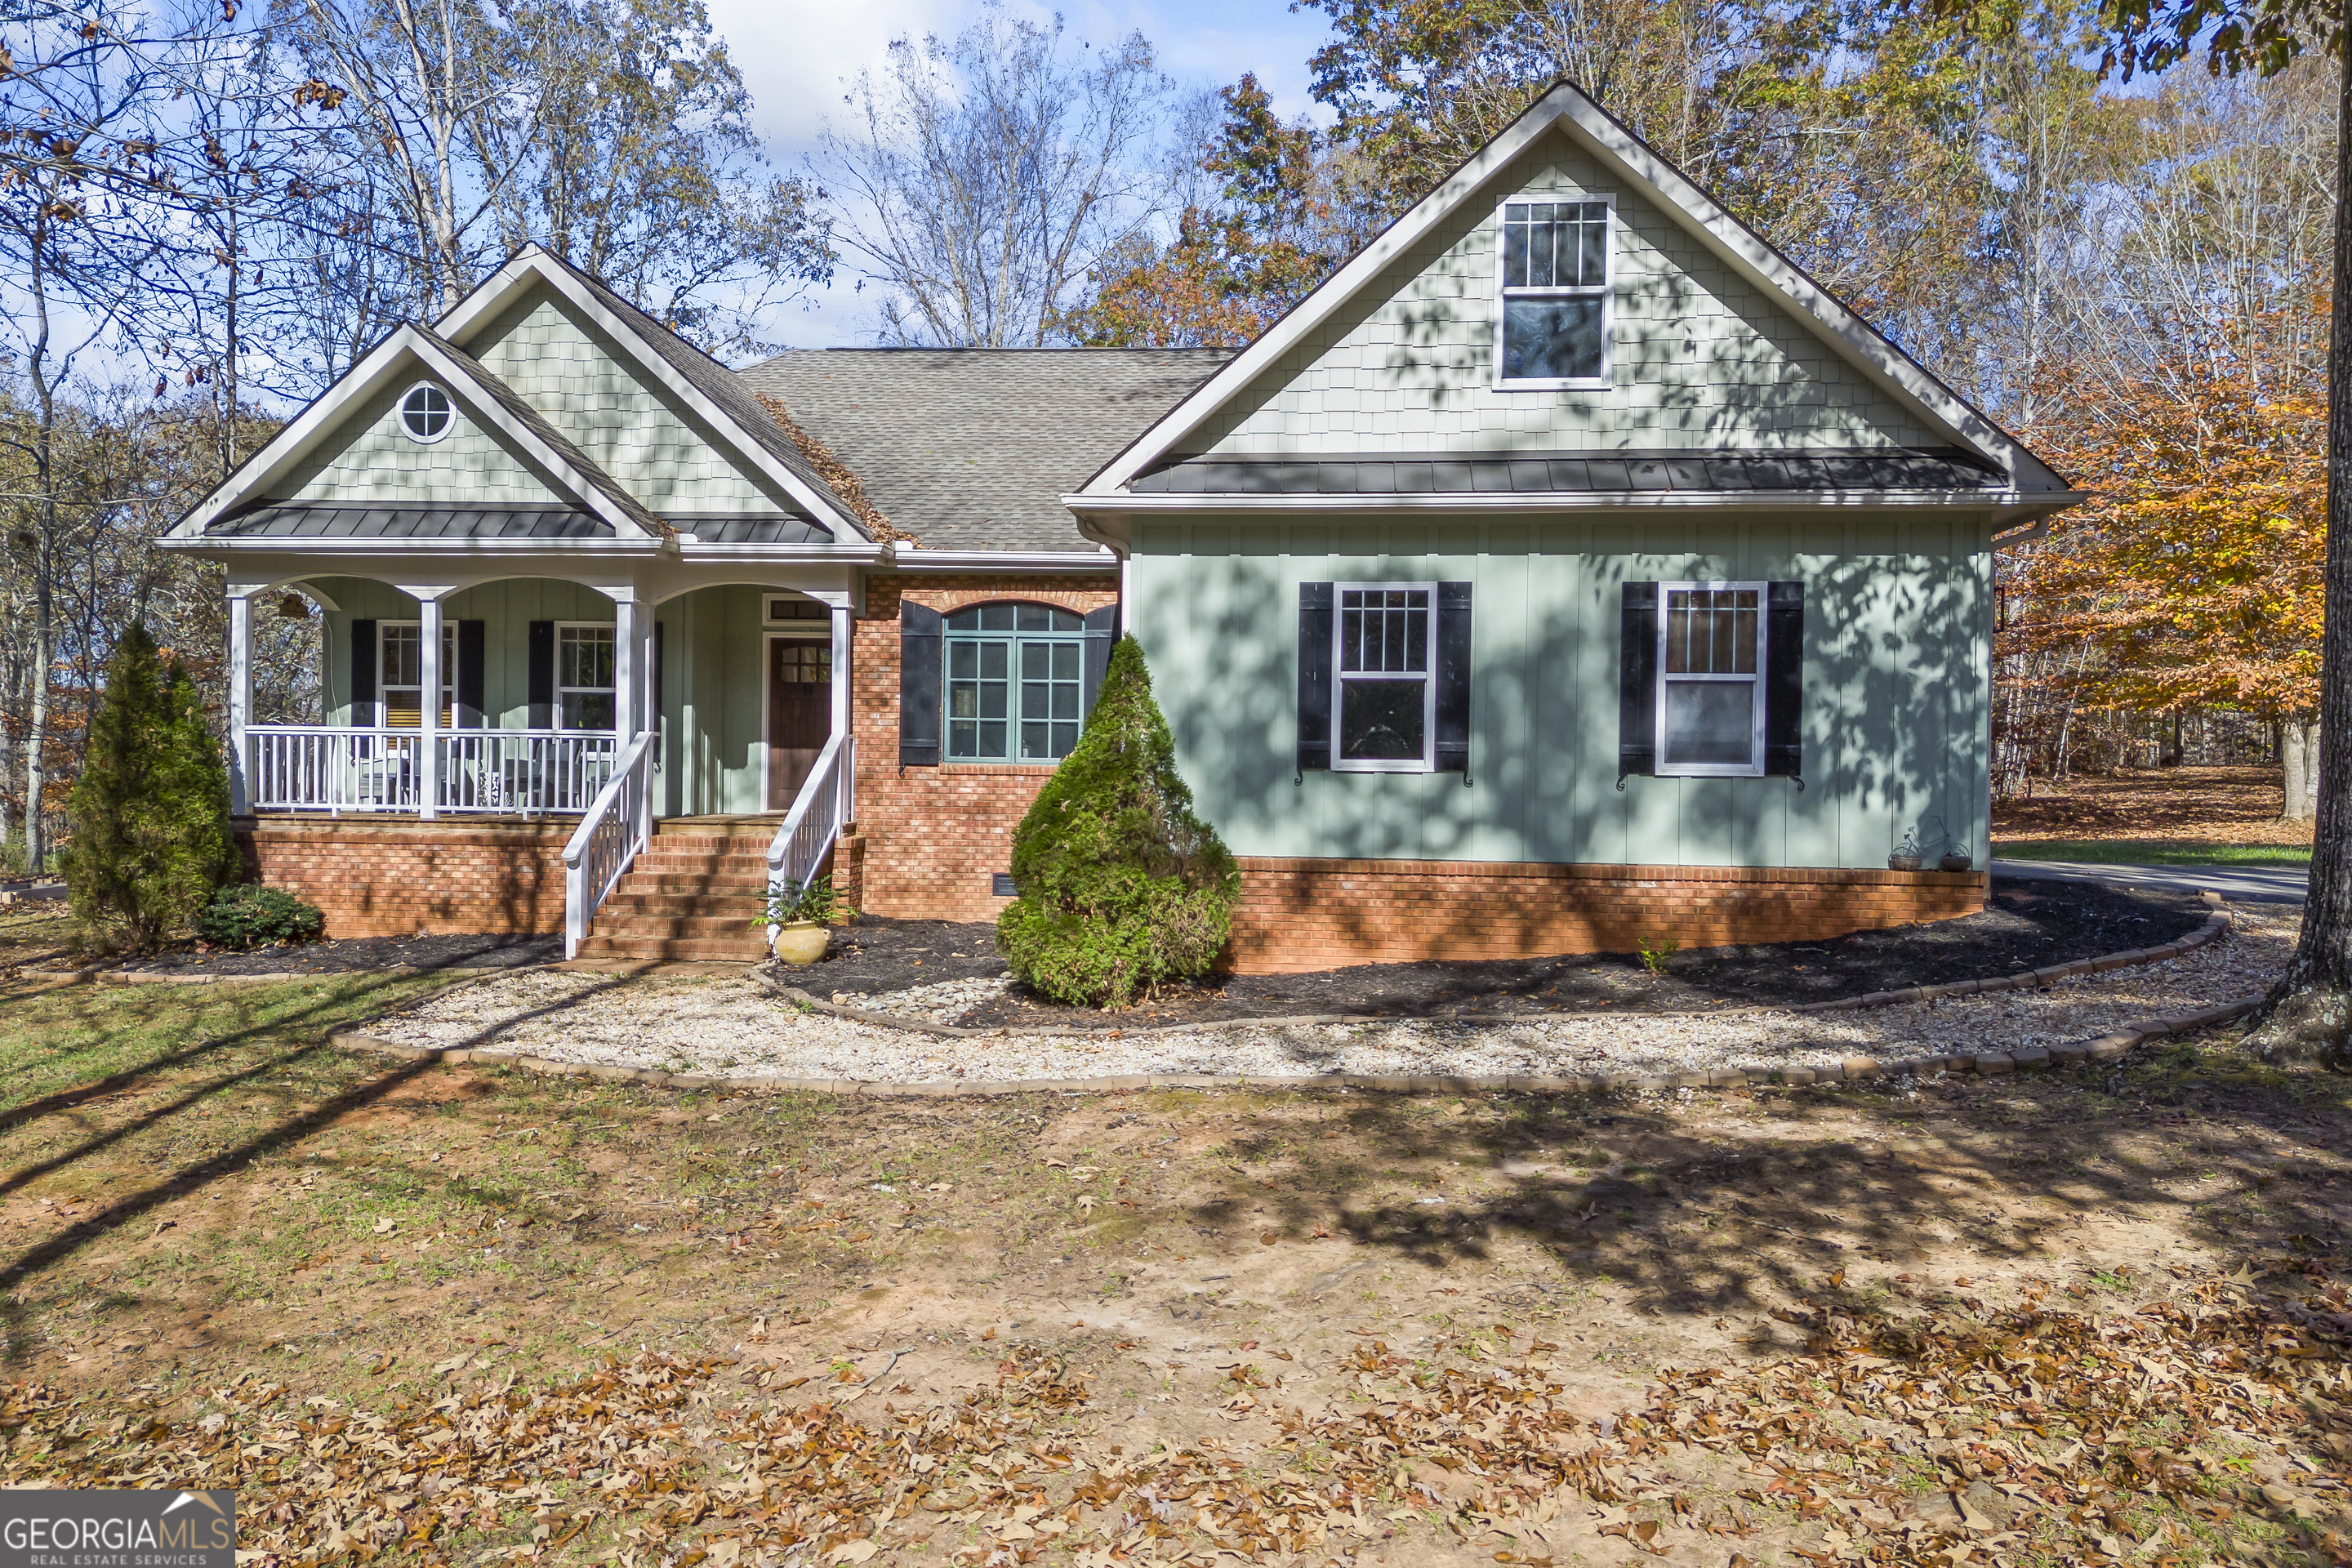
<point>800,714</point>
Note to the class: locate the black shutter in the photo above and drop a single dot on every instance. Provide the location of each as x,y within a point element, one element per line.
<point>364,713</point>
<point>920,645</point>
<point>1637,682</point>
<point>1784,681</point>
<point>1454,679</point>
<point>1314,676</point>
<point>1102,630</point>
<point>470,643</point>
<point>542,667</point>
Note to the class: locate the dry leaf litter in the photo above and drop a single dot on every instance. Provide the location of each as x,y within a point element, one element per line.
<point>734,1027</point>
<point>1969,1436</point>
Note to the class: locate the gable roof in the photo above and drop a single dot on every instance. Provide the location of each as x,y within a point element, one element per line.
<point>513,422</point>
<point>693,377</point>
<point>973,449</point>
<point>1641,167</point>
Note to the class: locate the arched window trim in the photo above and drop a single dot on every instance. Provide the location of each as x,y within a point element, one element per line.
<point>1012,692</point>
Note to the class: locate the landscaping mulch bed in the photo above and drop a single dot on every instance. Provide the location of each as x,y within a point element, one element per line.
<point>2028,925</point>
<point>356,955</point>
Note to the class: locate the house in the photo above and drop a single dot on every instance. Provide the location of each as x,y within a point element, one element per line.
<point>1569,570</point>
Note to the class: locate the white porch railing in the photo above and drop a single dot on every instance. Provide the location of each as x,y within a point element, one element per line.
<point>313,767</point>
<point>619,823</point>
<point>826,800</point>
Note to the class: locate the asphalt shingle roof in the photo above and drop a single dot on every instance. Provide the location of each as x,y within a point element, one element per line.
<point>973,449</point>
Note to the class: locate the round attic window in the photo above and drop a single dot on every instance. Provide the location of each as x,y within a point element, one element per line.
<point>425,414</point>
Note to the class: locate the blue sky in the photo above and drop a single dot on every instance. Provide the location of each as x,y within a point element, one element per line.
<point>798,55</point>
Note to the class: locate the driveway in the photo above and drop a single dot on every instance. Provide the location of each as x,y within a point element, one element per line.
<point>2238,884</point>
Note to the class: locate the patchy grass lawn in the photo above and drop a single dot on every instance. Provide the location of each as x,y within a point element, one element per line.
<point>34,928</point>
<point>2153,852</point>
<point>424,1314</point>
<point>2204,807</point>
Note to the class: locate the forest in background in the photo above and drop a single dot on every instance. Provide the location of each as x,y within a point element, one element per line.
<point>204,218</point>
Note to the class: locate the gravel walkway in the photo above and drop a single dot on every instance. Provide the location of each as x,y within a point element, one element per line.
<point>732,1028</point>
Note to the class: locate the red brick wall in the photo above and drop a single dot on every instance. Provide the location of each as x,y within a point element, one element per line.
<point>397,879</point>
<point>1298,915</point>
<point>934,837</point>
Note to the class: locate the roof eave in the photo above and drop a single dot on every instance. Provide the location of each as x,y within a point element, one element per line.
<point>2003,503</point>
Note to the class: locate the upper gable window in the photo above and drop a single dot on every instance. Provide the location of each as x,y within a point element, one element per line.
<point>1552,326</point>
<point>425,414</point>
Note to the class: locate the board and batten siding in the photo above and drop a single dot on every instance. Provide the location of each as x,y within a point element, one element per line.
<point>1702,359</point>
<point>506,610</point>
<point>572,374</point>
<point>1897,632</point>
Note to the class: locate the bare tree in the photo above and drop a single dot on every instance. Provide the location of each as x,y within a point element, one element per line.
<point>984,178</point>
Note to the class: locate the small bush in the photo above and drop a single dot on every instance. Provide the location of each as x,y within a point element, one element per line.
<point>1121,886</point>
<point>251,916</point>
<point>816,901</point>
<point>151,833</point>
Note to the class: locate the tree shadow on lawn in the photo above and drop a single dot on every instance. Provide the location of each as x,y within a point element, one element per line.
<point>1698,1218</point>
<point>109,1219</point>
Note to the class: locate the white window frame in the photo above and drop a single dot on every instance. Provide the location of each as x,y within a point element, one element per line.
<point>1606,290</point>
<point>560,689</point>
<point>384,689</point>
<point>1754,767</point>
<point>1427,761</point>
<point>818,624</point>
<point>400,413</point>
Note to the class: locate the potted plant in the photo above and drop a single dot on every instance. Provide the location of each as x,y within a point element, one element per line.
<point>1906,856</point>
<point>1955,859</point>
<point>800,919</point>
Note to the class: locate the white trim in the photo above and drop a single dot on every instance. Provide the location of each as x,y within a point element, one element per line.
<point>1622,155</point>
<point>556,688</point>
<point>2001,504</point>
<point>1605,291</point>
<point>384,364</point>
<point>1427,761</point>
<point>400,409</point>
<point>533,264</point>
<point>448,635</point>
<point>1754,767</point>
<point>809,625</point>
<point>910,558</point>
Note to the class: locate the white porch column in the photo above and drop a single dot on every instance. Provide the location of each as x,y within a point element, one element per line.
<point>240,701</point>
<point>428,719</point>
<point>628,679</point>
<point>843,626</point>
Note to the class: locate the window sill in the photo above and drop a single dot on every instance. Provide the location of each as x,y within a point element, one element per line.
<point>1750,772</point>
<point>1574,383</point>
<point>971,765</point>
<point>1382,768</point>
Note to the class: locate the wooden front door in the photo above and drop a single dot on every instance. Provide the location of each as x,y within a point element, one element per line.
<point>800,714</point>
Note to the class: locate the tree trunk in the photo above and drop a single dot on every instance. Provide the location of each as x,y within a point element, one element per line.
<point>2307,1017</point>
<point>2299,752</point>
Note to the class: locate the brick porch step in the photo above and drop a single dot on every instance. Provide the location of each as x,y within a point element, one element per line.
<point>689,896</point>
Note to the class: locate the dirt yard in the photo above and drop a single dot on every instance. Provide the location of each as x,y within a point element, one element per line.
<point>424,1313</point>
<point>2186,806</point>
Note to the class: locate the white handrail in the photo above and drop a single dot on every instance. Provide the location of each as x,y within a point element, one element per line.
<point>815,818</point>
<point>616,827</point>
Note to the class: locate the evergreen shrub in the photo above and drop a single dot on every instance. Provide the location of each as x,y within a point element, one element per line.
<point>1121,887</point>
<point>150,814</point>
<point>250,915</point>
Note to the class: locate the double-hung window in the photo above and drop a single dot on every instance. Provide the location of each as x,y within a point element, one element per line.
<point>400,659</point>
<point>1553,321</point>
<point>583,675</point>
<point>1711,655</point>
<point>1383,651</point>
<point>1015,683</point>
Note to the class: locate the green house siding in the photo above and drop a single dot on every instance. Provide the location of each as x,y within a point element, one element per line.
<point>574,377</point>
<point>1896,619</point>
<point>1702,358</point>
<point>506,611</point>
<point>371,461</point>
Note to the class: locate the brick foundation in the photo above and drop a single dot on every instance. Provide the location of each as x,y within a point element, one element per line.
<point>931,840</point>
<point>398,878</point>
<point>1299,915</point>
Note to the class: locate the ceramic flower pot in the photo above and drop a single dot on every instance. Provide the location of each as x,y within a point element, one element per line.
<point>1955,860</point>
<point>1903,862</point>
<point>799,941</point>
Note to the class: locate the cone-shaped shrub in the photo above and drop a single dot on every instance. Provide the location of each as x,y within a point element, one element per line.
<point>151,832</point>
<point>1121,886</point>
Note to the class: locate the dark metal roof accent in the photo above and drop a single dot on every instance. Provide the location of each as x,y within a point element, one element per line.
<point>752,529</point>
<point>973,449</point>
<point>1578,473</point>
<point>298,520</point>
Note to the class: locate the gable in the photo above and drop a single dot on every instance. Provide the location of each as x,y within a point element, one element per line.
<point>567,372</point>
<point>1702,359</point>
<point>368,460</point>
